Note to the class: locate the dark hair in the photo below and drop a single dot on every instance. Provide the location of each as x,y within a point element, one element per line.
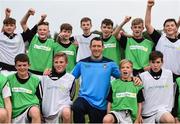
<point>66,26</point>
<point>9,21</point>
<point>97,39</point>
<point>85,19</point>
<point>170,20</point>
<point>61,54</point>
<point>43,23</point>
<point>107,22</point>
<point>22,58</point>
<point>155,55</point>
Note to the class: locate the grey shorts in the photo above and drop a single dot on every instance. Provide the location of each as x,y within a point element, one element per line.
<point>23,118</point>
<point>122,116</point>
<point>155,118</point>
<point>57,117</point>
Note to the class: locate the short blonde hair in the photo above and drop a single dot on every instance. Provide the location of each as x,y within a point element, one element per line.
<point>61,54</point>
<point>123,61</point>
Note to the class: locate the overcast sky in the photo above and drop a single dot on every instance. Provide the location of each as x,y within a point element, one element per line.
<point>71,11</point>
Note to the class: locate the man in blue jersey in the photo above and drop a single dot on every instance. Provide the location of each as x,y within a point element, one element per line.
<point>95,72</point>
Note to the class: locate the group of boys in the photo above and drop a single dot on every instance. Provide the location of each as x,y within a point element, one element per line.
<point>26,94</point>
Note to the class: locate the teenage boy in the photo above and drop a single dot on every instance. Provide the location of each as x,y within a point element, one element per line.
<point>41,47</point>
<point>25,92</point>
<point>83,40</point>
<point>111,45</point>
<point>11,43</point>
<point>158,91</point>
<point>124,98</point>
<point>58,91</point>
<point>5,102</point>
<point>168,44</point>
<point>137,49</point>
<point>66,46</point>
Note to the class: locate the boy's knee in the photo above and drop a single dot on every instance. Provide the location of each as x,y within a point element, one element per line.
<point>66,113</point>
<point>34,112</point>
<point>108,119</point>
<point>3,115</point>
<point>167,118</point>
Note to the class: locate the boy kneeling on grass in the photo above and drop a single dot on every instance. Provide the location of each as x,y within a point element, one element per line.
<point>124,98</point>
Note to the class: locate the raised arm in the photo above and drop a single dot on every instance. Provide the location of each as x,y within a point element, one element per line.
<point>25,19</point>
<point>43,17</point>
<point>7,15</point>
<point>178,23</point>
<point>148,25</point>
<point>119,28</point>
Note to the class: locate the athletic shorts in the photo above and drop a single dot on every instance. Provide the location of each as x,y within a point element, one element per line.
<point>23,118</point>
<point>154,118</point>
<point>57,117</point>
<point>122,116</point>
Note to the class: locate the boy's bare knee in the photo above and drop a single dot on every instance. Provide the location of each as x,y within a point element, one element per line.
<point>34,112</point>
<point>66,114</point>
<point>3,115</point>
<point>108,119</point>
<point>167,118</point>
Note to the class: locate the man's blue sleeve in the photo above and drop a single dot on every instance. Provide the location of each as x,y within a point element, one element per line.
<point>77,70</point>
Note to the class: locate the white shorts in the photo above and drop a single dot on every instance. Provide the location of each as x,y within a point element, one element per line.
<point>23,118</point>
<point>155,118</point>
<point>122,116</point>
<point>57,117</point>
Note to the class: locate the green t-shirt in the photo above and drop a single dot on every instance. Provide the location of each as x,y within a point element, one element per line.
<point>138,53</point>
<point>3,81</point>
<point>41,54</point>
<point>23,95</point>
<point>178,83</point>
<point>112,49</point>
<point>71,52</point>
<point>124,96</point>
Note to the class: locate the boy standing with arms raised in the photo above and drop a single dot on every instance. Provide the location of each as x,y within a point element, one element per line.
<point>41,47</point>
<point>137,49</point>
<point>168,44</point>
<point>9,39</point>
